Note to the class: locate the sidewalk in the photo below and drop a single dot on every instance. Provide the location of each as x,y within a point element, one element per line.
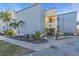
<point>68,46</point>
<point>35,47</point>
<point>38,47</point>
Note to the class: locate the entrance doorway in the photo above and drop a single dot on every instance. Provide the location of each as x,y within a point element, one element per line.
<point>50,25</point>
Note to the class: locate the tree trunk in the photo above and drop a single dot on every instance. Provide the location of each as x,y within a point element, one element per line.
<point>7,26</point>
<point>18,31</point>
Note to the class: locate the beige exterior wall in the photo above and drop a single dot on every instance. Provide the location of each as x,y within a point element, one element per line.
<point>47,24</point>
<point>52,13</point>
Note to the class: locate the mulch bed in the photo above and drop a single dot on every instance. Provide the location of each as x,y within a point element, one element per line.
<point>1,34</point>
<point>25,39</point>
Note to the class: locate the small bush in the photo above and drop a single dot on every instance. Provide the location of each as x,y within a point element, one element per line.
<point>37,35</point>
<point>48,32</point>
<point>10,32</point>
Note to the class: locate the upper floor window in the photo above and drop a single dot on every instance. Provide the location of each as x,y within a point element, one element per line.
<point>50,20</point>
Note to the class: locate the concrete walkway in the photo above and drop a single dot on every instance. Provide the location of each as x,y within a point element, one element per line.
<point>38,47</point>
<point>35,47</point>
<point>68,46</point>
<point>65,47</point>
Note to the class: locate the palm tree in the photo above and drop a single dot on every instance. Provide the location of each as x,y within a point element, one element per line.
<point>6,17</point>
<point>16,25</point>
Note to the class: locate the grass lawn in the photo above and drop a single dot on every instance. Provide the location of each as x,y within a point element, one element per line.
<point>7,49</point>
<point>2,43</point>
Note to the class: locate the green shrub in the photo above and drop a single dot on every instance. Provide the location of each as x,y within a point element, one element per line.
<point>10,32</point>
<point>37,35</point>
<point>49,32</point>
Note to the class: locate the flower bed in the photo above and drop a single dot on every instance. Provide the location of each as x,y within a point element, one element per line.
<point>29,39</point>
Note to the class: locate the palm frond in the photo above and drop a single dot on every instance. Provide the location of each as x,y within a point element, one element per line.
<point>20,22</point>
<point>13,25</point>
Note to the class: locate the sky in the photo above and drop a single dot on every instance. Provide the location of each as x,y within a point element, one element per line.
<point>59,6</point>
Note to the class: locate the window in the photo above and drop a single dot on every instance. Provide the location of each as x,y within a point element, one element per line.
<point>50,20</point>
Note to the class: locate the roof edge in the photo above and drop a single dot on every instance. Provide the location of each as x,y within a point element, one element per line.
<point>67,13</point>
<point>50,9</point>
<point>28,7</point>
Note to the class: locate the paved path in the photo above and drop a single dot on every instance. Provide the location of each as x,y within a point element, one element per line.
<point>35,47</point>
<point>69,46</point>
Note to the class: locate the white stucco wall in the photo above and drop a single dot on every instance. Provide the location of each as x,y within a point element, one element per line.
<point>33,19</point>
<point>68,22</point>
<point>2,26</point>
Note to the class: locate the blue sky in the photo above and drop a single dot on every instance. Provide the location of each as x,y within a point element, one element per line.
<point>18,6</point>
